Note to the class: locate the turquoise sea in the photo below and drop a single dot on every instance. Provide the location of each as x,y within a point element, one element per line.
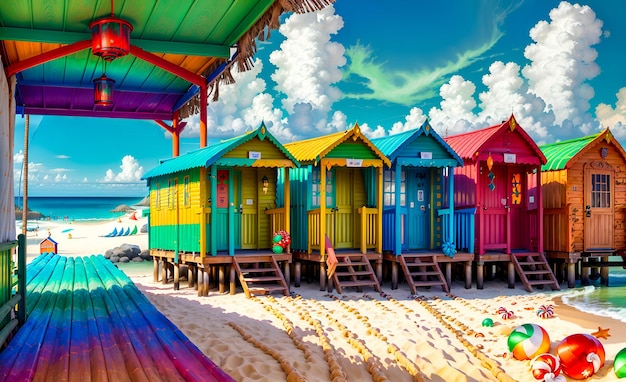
<point>602,300</point>
<point>78,208</point>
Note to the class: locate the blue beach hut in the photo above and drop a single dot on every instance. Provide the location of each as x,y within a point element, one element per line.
<point>418,215</point>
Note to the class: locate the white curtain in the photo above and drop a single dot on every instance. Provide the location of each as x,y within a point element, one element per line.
<point>7,129</point>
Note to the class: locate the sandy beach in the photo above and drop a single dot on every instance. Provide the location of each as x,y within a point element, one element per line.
<point>314,335</point>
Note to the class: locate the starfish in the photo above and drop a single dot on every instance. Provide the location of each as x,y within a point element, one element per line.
<point>602,333</point>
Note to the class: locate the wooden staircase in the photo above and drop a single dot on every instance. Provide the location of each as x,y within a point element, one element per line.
<point>533,269</point>
<point>353,270</point>
<point>422,270</point>
<point>260,275</point>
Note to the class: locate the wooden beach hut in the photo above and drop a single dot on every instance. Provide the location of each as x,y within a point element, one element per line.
<point>501,181</point>
<point>584,193</point>
<point>334,195</point>
<point>216,206</point>
<point>418,208</point>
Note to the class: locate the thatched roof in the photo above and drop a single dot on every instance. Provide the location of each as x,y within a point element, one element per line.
<point>122,208</point>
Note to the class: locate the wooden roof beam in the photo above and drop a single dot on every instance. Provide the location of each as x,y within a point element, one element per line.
<point>168,47</point>
<point>167,66</point>
<point>46,57</point>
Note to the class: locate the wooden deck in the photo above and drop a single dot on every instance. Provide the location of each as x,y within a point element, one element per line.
<point>88,321</point>
<point>585,265</point>
<point>219,269</point>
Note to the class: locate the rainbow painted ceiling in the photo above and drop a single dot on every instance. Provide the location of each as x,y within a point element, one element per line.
<point>177,47</point>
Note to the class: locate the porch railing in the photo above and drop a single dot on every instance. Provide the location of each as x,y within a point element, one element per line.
<point>277,218</point>
<point>369,228</point>
<point>464,228</point>
<point>13,287</point>
<point>367,225</point>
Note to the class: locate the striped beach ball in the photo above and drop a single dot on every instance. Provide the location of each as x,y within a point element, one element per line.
<point>581,355</point>
<point>528,341</point>
<point>547,368</point>
<point>619,364</point>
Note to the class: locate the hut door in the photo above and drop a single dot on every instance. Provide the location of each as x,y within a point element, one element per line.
<point>344,209</point>
<point>417,233</point>
<point>598,209</point>
<point>228,212</point>
<point>518,211</point>
<point>495,202</point>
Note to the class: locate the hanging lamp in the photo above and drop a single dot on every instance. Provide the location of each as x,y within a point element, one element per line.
<point>103,89</point>
<point>110,37</point>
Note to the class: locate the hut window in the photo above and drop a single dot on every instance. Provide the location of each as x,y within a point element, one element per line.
<point>186,201</point>
<point>516,189</point>
<point>316,188</point>
<point>172,185</point>
<point>600,190</point>
<point>389,188</point>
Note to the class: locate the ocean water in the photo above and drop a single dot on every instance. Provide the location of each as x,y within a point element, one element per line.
<point>602,300</point>
<point>78,208</point>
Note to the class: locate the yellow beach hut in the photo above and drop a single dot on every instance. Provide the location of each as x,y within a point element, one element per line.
<point>334,196</point>
<point>209,208</point>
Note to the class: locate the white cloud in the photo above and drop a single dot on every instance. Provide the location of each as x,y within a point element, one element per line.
<point>614,118</point>
<point>18,157</point>
<point>563,60</point>
<point>131,171</point>
<point>414,120</point>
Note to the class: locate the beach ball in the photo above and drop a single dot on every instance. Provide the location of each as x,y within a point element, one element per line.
<point>527,341</point>
<point>547,368</point>
<point>277,238</point>
<point>581,355</point>
<point>488,322</point>
<point>619,364</point>
<point>277,249</point>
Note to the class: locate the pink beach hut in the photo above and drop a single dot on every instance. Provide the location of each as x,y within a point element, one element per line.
<point>500,182</point>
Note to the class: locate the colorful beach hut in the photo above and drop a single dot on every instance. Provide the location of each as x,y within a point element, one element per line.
<point>418,208</point>
<point>334,195</point>
<point>583,194</point>
<point>501,181</point>
<point>217,205</point>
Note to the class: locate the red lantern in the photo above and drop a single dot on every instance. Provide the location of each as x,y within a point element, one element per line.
<point>110,37</point>
<point>103,90</point>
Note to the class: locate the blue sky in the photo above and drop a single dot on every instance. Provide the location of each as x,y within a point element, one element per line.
<point>464,65</point>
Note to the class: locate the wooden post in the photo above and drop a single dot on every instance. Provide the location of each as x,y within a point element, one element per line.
<point>394,274</point>
<point>379,216</point>
<point>155,269</point>
<point>176,276</point>
<point>191,275</point>
<point>397,213</point>
<point>511,273</point>
<point>480,274</point>
<point>200,280</point>
<point>164,270</point>
<point>233,278</point>
<point>222,285</point>
<point>297,273</point>
<point>468,275</point>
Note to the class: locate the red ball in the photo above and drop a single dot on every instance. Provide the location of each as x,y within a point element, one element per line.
<point>581,355</point>
<point>545,366</point>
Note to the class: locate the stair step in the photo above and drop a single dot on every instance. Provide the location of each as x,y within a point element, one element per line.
<point>420,264</point>
<point>540,282</point>
<point>427,283</point>
<point>350,263</point>
<point>357,283</point>
<point>256,279</point>
<point>256,270</point>
<point>355,273</point>
<point>538,272</point>
<point>429,273</point>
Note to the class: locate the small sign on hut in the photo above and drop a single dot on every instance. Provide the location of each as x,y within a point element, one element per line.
<point>48,245</point>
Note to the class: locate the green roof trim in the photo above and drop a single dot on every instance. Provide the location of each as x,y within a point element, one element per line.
<point>207,156</point>
<point>559,154</point>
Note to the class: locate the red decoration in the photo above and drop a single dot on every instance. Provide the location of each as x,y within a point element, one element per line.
<point>581,355</point>
<point>110,37</point>
<point>103,91</point>
<point>285,239</point>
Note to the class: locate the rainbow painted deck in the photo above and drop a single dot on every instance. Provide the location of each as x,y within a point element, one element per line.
<point>88,321</point>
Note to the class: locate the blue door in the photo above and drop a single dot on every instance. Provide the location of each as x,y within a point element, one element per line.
<point>417,232</point>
